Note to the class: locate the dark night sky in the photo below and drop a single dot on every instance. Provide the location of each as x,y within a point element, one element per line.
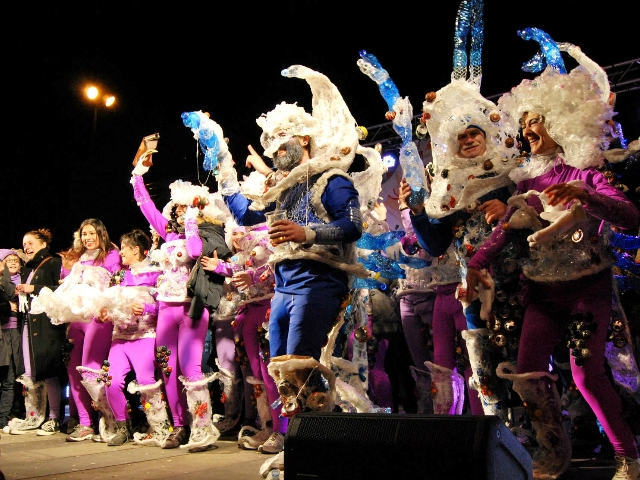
<point>225,58</point>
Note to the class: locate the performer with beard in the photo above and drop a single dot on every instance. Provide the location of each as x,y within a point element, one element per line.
<point>315,246</point>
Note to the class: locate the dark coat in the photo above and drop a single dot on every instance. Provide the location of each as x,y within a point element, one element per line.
<point>207,289</point>
<point>46,341</point>
<point>10,341</point>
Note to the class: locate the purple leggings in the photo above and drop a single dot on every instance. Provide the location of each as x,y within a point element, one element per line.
<point>91,343</point>
<point>185,338</point>
<point>416,312</point>
<point>249,319</point>
<point>448,319</point>
<point>545,321</point>
<point>124,356</point>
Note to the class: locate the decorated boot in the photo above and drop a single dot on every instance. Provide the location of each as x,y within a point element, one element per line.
<point>249,437</point>
<point>552,453</point>
<point>203,432</point>
<point>424,399</point>
<point>447,390</point>
<point>304,384</point>
<point>483,357</point>
<point>96,382</point>
<point>155,408</point>
<point>35,402</point>
<point>231,399</point>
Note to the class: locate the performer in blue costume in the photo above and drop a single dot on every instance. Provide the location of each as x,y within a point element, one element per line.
<point>315,246</point>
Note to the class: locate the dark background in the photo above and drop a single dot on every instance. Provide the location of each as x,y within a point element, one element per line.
<point>225,58</point>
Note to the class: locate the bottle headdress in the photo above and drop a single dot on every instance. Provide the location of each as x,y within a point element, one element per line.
<point>575,105</point>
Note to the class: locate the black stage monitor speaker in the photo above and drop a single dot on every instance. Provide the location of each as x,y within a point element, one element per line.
<point>334,446</point>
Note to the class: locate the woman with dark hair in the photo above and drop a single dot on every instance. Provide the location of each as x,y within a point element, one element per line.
<point>131,307</point>
<point>90,341</point>
<point>191,226</point>
<point>42,342</point>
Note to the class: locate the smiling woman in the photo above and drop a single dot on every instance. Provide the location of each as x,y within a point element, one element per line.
<point>41,341</point>
<point>91,341</point>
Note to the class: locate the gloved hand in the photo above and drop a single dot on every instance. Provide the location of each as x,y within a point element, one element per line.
<point>191,213</point>
<point>141,168</point>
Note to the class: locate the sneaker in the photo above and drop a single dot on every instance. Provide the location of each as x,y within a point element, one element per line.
<point>121,437</point>
<point>80,433</point>
<point>70,425</point>
<point>250,440</point>
<point>274,444</point>
<point>22,428</point>
<point>50,427</point>
<point>628,468</point>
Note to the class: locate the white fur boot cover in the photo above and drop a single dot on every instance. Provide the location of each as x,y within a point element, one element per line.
<point>155,408</point>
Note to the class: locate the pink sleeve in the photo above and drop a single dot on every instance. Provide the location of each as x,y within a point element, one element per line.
<point>113,262</point>
<point>224,269</point>
<point>194,242</point>
<point>492,247</point>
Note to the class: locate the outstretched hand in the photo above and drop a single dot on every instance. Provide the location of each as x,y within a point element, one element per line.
<point>255,161</point>
<point>563,193</point>
<point>210,264</point>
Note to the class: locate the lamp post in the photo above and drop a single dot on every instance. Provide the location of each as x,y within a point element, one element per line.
<point>108,100</point>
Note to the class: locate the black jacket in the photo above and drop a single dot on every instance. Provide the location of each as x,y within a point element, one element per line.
<point>207,289</point>
<point>46,341</point>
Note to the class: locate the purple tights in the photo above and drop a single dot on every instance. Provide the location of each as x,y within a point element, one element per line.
<point>545,320</point>
<point>91,343</point>
<point>185,338</point>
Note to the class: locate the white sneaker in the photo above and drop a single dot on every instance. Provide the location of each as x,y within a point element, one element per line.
<point>274,444</point>
<point>250,438</point>
<point>628,468</point>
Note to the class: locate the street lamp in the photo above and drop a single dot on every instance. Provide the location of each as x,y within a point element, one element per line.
<point>108,100</point>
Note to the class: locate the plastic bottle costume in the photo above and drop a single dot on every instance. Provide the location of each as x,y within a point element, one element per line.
<point>568,269</point>
<point>183,317</point>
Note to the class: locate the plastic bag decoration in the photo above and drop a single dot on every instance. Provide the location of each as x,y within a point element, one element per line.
<point>401,114</point>
<point>210,138</point>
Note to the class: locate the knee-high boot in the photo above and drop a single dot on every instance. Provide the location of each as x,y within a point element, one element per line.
<point>304,385</point>
<point>492,390</point>
<point>231,398</point>
<point>552,455</point>
<point>155,408</point>
<point>249,437</point>
<point>35,402</point>
<point>424,399</point>
<point>95,382</point>
<point>447,390</point>
<point>203,432</point>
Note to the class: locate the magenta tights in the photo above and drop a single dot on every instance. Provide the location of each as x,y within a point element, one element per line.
<point>91,343</point>
<point>185,338</point>
<point>545,320</point>
<point>124,356</point>
<point>448,319</point>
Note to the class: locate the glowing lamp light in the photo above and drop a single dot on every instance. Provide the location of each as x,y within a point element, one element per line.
<point>390,159</point>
